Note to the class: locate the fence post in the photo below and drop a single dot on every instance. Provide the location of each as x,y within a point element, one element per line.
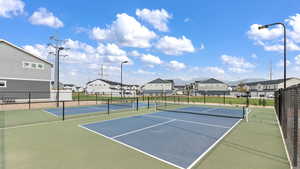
<point>29,100</point>
<point>63,111</point>
<point>107,106</point>
<point>204,98</point>
<point>96,98</point>
<point>247,101</point>
<point>78,97</point>
<point>137,104</point>
<point>224,101</point>
<point>148,102</point>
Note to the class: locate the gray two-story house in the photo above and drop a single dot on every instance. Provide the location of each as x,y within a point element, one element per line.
<point>22,72</point>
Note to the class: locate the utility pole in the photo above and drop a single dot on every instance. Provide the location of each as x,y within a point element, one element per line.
<point>271,73</point>
<point>57,45</point>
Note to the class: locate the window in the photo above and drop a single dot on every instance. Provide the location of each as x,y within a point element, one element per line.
<point>33,65</point>
<point>26,64</point>
<point>40,66</point>
<point>2,84</point>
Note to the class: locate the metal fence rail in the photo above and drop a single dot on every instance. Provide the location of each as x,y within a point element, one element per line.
<point>287,106</point>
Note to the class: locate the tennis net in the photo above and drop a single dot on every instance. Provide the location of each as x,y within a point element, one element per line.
<point>239,113</point>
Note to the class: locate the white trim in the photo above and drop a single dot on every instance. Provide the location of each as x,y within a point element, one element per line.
<point>25,51</point>
<point>213,145</point>
<point>187,121</point>
<point>142,129</point>
<point>8,78</point>
<point>284,143</point>
<point>5,83</point>
<point>128,146</point>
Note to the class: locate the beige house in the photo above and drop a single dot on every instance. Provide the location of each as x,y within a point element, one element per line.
<point>158,86</point>
<point>211,87</point>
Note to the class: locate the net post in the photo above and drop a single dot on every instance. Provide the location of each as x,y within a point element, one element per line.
<point>188,98</point>
<point>63,110</point>
<point>29,100</point>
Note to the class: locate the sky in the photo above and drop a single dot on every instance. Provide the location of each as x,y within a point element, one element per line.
<point>167,39</point>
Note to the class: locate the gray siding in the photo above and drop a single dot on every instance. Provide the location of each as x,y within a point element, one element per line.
<point>11,65</point>
<point>19,89</point>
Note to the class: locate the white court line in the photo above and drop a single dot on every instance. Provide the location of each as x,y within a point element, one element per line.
<point>136,149</point>
<point>187,121</point>
<point>213,145</point>
<point>53,114</point>
<point>284,143</point>
<point>145,128</point>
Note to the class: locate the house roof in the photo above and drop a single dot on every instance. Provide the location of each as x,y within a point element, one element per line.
<point>211,80</point>
<point>268,82</point>
<point>70,85</point>
<point>110,82</point>
<point>159,80</point>
<point>23,50</point>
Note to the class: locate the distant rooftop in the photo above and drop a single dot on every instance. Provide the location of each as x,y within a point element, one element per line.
<point>159,80</point>
<point>211,80</point>
<point>268,82</point>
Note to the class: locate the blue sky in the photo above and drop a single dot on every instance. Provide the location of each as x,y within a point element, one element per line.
<point>168,39</point>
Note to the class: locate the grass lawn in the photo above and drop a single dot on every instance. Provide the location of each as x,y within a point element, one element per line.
<point>64,145</point>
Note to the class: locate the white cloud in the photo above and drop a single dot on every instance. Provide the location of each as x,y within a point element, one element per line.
<point>143,72</point>
<point>9,8</point>
<point>187,20</point>
<point>151,59</point>
<point>175,46</point>
<point>291,46</point>
<point>253,55</point>
<point>264,34</point>
<point>297,59</point>
<point>237,64</point>
<point>134,53</point>
<point>215,70</point>
<point>281,63</point>
<point>38,50</point>
<point>125,31</point>
<point>112,53</point>
<point>157,18</point>
<point>294,22</point>
<point>44,17</point>
<point>176,65</point>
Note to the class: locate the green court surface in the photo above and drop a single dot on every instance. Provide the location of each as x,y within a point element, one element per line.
<point>63,145</point>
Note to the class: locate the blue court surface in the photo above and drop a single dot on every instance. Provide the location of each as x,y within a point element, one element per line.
<point>95,108</point>
<point>178,139</point>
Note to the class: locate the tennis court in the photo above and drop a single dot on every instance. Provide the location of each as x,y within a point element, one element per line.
<point>177,136</point>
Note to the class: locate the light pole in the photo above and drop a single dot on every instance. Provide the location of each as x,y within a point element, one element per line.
<point>122,77</point>
<point>57,48</point>
<point>284,47</point>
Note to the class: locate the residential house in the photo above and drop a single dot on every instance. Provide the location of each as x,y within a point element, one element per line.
<point>22,72</point>
<point>102,86</point>
<point>211,87</point>
<point>268,87</point>
<point>158,87</point>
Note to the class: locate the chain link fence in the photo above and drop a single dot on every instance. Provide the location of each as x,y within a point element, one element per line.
<point>287,106</point>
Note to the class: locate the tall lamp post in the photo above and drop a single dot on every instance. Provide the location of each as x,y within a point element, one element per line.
<point>122,77</point>
<point>284,46</point>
